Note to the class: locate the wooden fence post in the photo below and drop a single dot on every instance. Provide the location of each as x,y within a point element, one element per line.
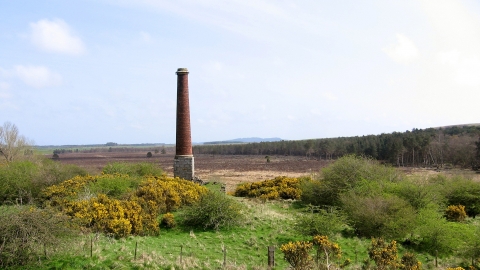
<point>91,247</point>
<point>136,246</point>
<point>181,254</point>
<point>271,257</point>
<point>224,257</point>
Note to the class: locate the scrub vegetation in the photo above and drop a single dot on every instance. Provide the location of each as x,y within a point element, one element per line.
<point>355,213</point>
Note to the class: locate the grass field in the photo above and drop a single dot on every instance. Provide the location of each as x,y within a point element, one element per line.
<point>269,224</point>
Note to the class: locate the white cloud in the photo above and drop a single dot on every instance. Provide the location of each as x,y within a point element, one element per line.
<point>37,76</point>
<point>403,52</point>
<point>55,36</point>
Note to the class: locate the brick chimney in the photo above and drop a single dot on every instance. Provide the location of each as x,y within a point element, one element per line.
<point>183,164</point>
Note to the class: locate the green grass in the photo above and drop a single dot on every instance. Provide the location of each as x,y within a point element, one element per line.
<point>246,248</point>
<point>269,224</point>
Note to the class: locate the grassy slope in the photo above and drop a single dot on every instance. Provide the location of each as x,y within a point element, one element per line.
<point>268,224</point>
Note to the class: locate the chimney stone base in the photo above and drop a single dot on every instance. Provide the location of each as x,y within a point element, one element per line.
<point>183,167</point>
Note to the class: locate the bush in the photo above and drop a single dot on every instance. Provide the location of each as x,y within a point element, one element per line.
<point>168,221</point>
<point>344,175</point>
<point>25,234</point>
<point>312,192</point>
<point>464,192</point>
<point>117,185</point>
<point>214,210</point>
<point>436,234</point>
<point>379,216</point>
<point>322,223</point>
<point>134,214</point>
<point>133,169</point>
<point>281,187</point>
<point>455,213</point>
<point>164,194</point>
<point>383,254</point>
<point>419,194</point>
<point>22,181</point>
<point>326,251</point>
<point>118,218</point>
<point>409,262</point>
<point>297,254</point>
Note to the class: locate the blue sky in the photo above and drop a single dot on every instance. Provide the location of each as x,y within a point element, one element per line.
<point>85,72</point>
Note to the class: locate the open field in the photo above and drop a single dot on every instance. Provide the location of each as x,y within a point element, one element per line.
<point>227,169</point>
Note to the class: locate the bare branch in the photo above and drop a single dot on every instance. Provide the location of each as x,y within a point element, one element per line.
<point>12,144</point>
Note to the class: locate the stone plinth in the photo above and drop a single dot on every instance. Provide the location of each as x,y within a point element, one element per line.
<point>183,167</point>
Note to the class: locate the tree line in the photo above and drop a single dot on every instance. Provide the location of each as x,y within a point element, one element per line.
<point>437,147</point>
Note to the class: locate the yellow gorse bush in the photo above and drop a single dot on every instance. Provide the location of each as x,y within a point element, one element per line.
<point>279,187</point>
<point>327,247</point>
<point>58,195</point>
<point>136,215</point>
<point>297,254</point>
<point>455,213</point>
<point>384,255</point>
<point>167,194</point>
<point>168,220</point>
<point>116,217</point>
<point>410,262</point>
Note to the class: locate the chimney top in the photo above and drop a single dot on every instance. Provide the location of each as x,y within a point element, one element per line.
<point>182,71</point>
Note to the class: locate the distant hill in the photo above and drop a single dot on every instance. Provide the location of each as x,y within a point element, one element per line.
<point>245,140</point>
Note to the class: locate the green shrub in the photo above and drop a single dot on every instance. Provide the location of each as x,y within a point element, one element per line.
<point>419,194</point>
<point>21,182</point>
<point>16,182</point>
<point>379,216</point>
<point>312,192</point>
<point>25,233</point>
<point>214,210</point>
<point>344,175</point>
<point>322,223</point>
<point>133,169</point>
<point>117,186</point>
<point>464,192</point>
<point>436,234</point>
